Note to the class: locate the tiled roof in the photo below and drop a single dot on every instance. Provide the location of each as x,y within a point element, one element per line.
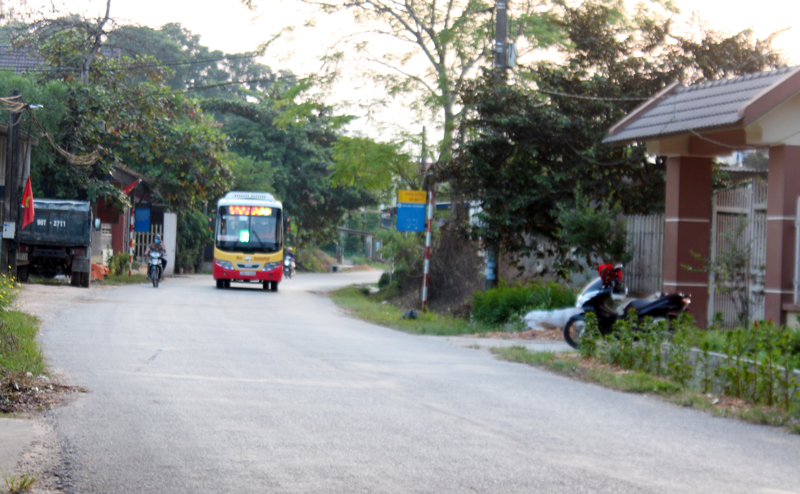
<point>19,60</point>
<point>697,107</point>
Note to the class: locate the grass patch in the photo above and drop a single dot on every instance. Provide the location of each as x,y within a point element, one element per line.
<point>123,279</point>
<point>630,381</point>
<point>19,350</point>
<point>18,484</point>
<point>357,302</point>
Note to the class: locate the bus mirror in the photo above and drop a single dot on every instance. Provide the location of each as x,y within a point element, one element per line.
<point>97,224</point>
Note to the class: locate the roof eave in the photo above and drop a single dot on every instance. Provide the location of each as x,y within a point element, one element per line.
<point>643,108</point>
<point>771,97</point>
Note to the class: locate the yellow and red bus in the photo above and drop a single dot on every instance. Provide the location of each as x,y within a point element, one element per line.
<point>248,240</point>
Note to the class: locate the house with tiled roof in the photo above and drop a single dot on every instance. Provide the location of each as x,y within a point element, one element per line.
<point>19,59</point>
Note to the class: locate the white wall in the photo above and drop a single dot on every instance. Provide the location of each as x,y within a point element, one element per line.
<point>170,237</point>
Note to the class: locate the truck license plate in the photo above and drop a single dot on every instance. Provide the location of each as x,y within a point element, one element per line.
<point>22,256</point>
<point>247,273</point>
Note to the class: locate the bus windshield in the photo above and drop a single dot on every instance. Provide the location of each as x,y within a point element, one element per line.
<point>249,229</point>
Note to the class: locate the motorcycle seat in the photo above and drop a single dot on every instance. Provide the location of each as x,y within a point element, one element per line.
<point>640,304</point>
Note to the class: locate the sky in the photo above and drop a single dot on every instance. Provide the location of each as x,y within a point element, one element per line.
<point>228,26</point>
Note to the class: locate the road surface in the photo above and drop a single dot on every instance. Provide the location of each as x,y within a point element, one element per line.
<point>200,390</point>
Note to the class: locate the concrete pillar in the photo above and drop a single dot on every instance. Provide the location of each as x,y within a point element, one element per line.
<point>687,230</point>
<point>783,189</point>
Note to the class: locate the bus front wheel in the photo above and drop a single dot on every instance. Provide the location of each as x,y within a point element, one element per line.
<point>220,283</point>
<point>274,286</point>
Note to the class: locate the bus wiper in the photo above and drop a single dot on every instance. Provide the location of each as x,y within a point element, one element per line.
<point>263,247</point>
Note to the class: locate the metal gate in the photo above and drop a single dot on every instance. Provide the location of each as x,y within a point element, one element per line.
<point>642,274</point>
<point>739,221</point>
<point>143,239</point>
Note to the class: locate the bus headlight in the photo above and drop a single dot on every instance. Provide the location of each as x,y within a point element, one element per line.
<point>270,266</point>
<point>224,264</point>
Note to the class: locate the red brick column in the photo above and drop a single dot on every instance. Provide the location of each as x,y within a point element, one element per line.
<point>783,189</point>
<point>687,230</point>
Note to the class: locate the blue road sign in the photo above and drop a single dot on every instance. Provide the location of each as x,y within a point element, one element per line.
<point>410,217</point>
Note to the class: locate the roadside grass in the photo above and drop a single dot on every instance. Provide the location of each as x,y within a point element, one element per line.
<point>19,350</point>
<point>357,302</point>
<point>123,279</point>
<point>18,484</point>
<point>631,381</point>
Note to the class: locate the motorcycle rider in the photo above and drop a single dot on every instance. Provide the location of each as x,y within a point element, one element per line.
<point>290,256</point>
<point>157,246</point>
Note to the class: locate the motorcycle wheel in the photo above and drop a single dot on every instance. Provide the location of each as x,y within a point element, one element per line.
<point>573,330</point>
<point>154,277</point>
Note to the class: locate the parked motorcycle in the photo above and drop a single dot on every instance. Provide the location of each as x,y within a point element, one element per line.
<point>599,299</point>
<point>154,268</point>
<point>288,267</point>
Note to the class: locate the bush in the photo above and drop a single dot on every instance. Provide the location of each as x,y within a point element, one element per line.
<point>118,263</point>
<point>501,304</point>
<point>8,291</point>
<point>193,235</point>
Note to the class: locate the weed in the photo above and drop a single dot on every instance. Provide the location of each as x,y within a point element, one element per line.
<point>23,483</point>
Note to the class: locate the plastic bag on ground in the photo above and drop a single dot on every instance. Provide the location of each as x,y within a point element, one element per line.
<point>549,319</point>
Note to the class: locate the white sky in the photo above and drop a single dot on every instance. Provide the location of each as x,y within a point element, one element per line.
<point>227,25</point>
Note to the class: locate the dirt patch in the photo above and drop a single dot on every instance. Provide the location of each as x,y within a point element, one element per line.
<point>530,334</point>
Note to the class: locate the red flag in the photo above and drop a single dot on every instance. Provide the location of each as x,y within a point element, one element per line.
<point>27,203</point>
<point>127,190</point>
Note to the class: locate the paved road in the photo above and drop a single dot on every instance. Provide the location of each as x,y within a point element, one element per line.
<point>199,390</point>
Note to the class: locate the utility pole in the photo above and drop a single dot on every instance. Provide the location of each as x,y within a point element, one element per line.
<point>501,64</point>
<point>8,257</point>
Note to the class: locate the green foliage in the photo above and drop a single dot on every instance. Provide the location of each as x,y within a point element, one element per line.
<point>595,231</point>
<point>374,166</point>
<point>119,263</point>
<point>124,112</point>
<point>19,484</point>
<point>193,235</point>
<point>732,269</point>
<point>19,350</point>
<point>293,161</point>
<point>8,291</point>
<point>525,150</point>
<point>501,304</point>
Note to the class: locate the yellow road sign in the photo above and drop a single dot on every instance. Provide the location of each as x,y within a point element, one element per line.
<point>412,196</point>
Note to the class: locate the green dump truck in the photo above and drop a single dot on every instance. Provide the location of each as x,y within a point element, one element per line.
<point>57,242</point>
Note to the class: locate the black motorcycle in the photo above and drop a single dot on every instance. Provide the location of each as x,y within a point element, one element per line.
<point>598,298</point>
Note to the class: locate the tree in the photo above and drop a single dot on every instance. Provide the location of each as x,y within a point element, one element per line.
<point>377,167</point>
<point>527,146</point>
<point>436,48</point>
<point>293,160</point>
<point>123,111</point>
<point>209,73</point>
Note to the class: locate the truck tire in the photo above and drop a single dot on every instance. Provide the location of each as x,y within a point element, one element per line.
<point>86,279</point>
<point>22,274</point>
<point>75,279</point>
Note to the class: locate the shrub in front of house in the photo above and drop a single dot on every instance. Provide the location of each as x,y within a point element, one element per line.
<point>501,304</point>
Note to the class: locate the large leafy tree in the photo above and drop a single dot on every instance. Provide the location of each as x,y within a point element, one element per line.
<point>293,160</point>
<point>122,111</point>
<point>194,66</point>
<point>424,52</point>
<point>528,146</point>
